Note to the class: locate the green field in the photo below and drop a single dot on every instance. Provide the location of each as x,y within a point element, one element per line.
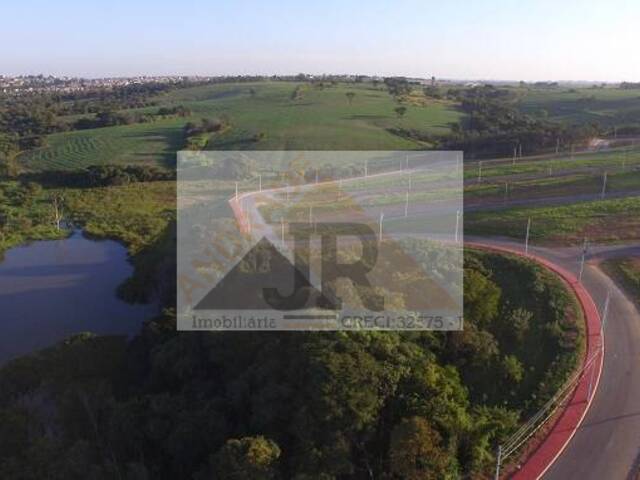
<point>615,220</point>
<point>627,271</point>
<point>318,119</point>
<point>614,160</point>
<point>607,106</point>
<point>127,144</point>
<point>554,186</point>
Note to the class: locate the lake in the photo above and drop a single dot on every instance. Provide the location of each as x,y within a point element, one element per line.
<point>50,290</point>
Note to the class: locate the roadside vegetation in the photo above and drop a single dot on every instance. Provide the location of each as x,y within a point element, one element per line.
<point>615,220</point>
<point>627,271</point>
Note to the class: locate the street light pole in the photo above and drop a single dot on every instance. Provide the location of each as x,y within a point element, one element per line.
<point>457,236</point>
<point>605,312</point>
<point>498,461</point>
<point>584,254</point>
<point>526,240</point>
<point>406,204</point>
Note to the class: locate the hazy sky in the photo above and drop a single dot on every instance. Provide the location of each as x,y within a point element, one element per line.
<point>487,39</point>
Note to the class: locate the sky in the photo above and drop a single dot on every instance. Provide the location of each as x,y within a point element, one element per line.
<point>473,39</point>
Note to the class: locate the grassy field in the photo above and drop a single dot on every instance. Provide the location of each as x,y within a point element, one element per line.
<point>150,143</point>
<point>627,271</point>
<point>553,186</point>
<point>614,160</point>
<point>603,221</point>
<point>317,119</point>
<point>607,106</point>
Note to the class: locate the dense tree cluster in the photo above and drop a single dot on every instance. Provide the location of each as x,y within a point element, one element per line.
<point>110,118</point>
<point>301,406</point>
<point>196,136</point>
<point>494,126</point>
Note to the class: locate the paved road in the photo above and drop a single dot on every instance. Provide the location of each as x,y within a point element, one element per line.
<point>607,445</point>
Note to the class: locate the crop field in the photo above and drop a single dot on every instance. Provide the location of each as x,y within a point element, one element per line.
<point>150,143</point>
<point>290,116</point>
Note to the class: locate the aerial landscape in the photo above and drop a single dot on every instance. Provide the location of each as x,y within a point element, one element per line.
<point>521,197</point>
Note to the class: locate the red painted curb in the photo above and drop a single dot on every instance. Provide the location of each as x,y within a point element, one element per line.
<point>568,422</point>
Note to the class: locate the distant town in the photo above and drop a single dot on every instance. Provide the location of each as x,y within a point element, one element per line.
<point>30,84</point>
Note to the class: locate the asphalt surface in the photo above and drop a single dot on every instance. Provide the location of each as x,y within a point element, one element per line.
<point>607,444</point>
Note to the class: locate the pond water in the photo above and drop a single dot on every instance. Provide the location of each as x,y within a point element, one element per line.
<point>50,290</point>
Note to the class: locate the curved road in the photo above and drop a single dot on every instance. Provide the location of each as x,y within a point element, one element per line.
<point>607,444</point>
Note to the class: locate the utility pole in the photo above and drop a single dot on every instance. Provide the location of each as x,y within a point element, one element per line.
<point>406,205</point>
<point>380,227</point>
<point>604,185</point>
<point>457,236</point>
<point>584,255</point>
<point>526,240</point>
<point>498,462</point>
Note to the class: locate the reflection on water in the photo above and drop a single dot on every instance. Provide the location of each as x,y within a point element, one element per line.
<point>52,289</point>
